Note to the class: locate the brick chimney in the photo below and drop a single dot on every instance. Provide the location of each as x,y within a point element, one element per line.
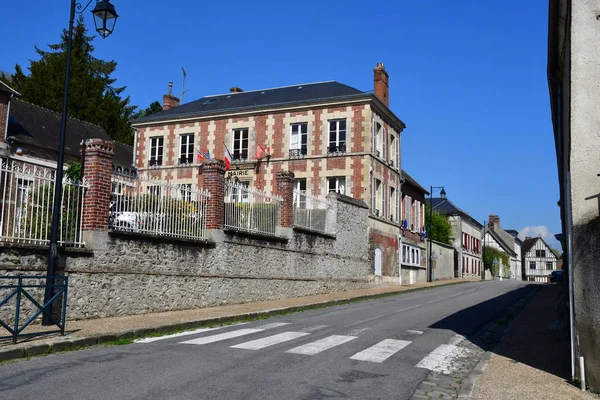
<point>170,101</point>
<point>236,89</point>
<point>494,220</point>
<point>381,86</point>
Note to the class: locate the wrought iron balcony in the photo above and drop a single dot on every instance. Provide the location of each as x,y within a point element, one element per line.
<point>239,155</point>
<point>336,150</point>
<point>155,162</point>
<point>186,160</point>
<point>298,153</point>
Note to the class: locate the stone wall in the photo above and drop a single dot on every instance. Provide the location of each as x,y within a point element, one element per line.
<point>444,265</point>
<point>131,274</point>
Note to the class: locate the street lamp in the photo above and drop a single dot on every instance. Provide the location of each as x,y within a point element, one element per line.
<point>429,230</point>
<point>105,18</point>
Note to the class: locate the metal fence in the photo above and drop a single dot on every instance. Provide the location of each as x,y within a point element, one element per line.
<point>27,202</point>
<point>27,292</point>
<point>251,210</point>
<point>311,211</point>
<point>146,205</point>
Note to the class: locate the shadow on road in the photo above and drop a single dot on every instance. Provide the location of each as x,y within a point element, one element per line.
<point>538,336</point>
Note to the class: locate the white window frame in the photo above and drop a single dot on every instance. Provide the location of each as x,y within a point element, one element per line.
<point>240,152</point>
<point>417,215</point>
<point>300,187</point>
<point>339,184</point>
<point>376,187</point>
<point>186,148</point>
<point>384,154</point>
<point>156,150</point>
<point>235,195</point>
<point>393,147</point>
<point>411,255</point>
<point>337,143</point>
<point>296,138</point>
<point>185,191</point>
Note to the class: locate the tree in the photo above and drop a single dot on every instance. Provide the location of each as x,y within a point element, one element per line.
<point>92,95</point>
<point>440,227</point>
<point>556,252</point>
<point>488,260</point>
<point>152,109</point>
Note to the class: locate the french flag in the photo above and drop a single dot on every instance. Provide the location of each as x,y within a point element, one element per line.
<point>227,159</point>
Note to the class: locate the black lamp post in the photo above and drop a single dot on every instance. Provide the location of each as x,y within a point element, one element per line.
<point>105,18</point>
<point>443,195</point>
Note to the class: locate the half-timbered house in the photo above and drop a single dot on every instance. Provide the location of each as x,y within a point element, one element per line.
<point>538,260</point>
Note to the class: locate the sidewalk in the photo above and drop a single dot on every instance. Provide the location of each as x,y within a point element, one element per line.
<point>95,331</point>
<point>533,359</point>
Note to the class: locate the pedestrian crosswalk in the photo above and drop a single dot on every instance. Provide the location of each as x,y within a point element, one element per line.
<point>378,352</point>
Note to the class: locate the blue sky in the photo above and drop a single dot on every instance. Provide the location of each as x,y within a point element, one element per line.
<point>467,77</point>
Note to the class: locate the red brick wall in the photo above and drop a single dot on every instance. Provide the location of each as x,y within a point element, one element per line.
<point>4,100</point>
<point>213,172</point>
<point>98,156</point>
<point>285,187</point>
<point>389,252</point>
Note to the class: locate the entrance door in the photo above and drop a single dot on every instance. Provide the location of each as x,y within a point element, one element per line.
<point>412,277</point>
<point>378,262</point>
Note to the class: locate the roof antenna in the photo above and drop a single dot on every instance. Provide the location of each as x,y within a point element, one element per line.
<point>182,85</point>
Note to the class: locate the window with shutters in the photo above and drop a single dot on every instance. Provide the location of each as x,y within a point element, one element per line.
<point>417,215</point>
<point>376,208</point>
<point>384,154</point>
<point>376,140</point>
<point>408,210</point>
<point>393,150</point>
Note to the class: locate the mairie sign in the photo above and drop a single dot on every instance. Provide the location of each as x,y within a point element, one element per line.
<point>238,173</point>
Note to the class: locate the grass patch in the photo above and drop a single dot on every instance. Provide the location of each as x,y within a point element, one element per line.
<point>118,342</point>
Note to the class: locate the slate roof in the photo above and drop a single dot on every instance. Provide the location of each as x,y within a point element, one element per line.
<point>530,242</point>
<point>502,243</point>
<point>446,207</point>
<point>512,232</point>
<point>527,245</point>
<point>37,126</point>
<point>257,99</point>
<point>410,180</point>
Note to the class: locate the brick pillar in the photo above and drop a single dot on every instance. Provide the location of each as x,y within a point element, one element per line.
<point>285,189</point>
<point>97,156</point>
<point>213,172</point>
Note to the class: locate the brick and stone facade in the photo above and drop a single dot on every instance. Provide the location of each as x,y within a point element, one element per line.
<point>370,159</point>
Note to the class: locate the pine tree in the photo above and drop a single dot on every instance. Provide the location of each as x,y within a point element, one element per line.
<point>93,97</point>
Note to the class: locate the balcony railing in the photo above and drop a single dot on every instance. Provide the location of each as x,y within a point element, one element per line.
<point>155,162</point>
<point>186,160</point>
<point>340,149</point>
<point>298,153</point>
<point>239,155</point>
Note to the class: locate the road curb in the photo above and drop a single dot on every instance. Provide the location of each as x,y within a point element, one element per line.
<point>89,341</point>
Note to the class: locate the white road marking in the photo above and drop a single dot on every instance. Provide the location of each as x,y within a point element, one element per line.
<point>414,332</point>
<point>381,351</point>
<point>222,336</point>
<point>355,332</point>
<point>273,325</point>
<point>314,328</point>
<point>270,340</point>
<point>186,333</point>
<point>436,357</point>
<point>321,345</point>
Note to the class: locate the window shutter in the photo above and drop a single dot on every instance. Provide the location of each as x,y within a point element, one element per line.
<point>397,205</point>
<point>373,196</point>
<point>383,144</point>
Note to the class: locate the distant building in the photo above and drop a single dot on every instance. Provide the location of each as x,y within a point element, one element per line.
<point>538,260</point>
<point>414,248</point>
<point>506,241</point>
<point>466,238</point>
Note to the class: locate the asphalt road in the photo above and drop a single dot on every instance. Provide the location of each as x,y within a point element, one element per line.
<point>377,349</point>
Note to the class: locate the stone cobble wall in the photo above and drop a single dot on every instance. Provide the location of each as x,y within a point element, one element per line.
<point>135,275</point>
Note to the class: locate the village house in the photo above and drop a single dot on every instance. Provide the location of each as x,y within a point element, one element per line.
<point>538,260</point>
<point>414,247</point>
<point>502,240</point>
<point>334,138</point>
<point>466,237</point>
